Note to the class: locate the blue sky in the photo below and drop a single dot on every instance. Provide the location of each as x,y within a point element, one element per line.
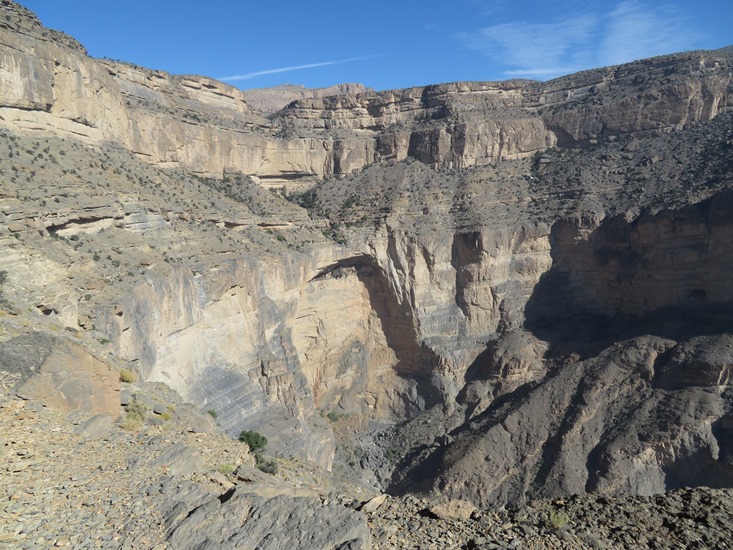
<point>385,44</point>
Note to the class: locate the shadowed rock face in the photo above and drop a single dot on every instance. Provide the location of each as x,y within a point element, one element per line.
<point>568,314</point>
<point>610,424</point>
<point>640,414</point>
<point>672,259</point>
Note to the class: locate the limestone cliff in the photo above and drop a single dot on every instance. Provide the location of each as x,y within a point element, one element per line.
<point>205,126</point>
<point>269,101</point>
<point>527,279</point>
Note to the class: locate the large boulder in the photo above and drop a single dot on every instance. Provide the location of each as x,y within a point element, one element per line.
<point>60,374</point>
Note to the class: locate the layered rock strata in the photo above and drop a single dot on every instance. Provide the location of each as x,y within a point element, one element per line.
<point>205,126</point>
<point>566,316</point>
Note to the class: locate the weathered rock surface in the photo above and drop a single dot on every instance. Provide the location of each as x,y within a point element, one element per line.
<point>496,332</point>
<point>241,520</point>
<point>600,425</point>
<point>205,126</point>
<point>685,518</point>
<point>268,101</point>
<point>62,375</point>
<point>157,488</point>
<point>61,489</point>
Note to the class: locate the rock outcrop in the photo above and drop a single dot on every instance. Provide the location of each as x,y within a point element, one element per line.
<point>61,375</point>
<point>269,101</point>
<point>242,520</point>
<point>602,425</point>
<point>527,281</point>
<point>205,126</point>
<point>161,487</point>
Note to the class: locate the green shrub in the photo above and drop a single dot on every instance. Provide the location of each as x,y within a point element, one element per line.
<point>137,408</point>
<point>556,519</point>
<point>134,415</point>
<point>254,440</point>
<point>307,200</point>
<point>257,443</point>
<point>225,468</point>
<point>335,235</point>
<point>131,423</point>
<point>212,413</point>
<point>127,376</point>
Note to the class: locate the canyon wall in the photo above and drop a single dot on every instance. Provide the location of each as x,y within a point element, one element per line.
<point>556,334</point>
<point>385,332</point>
<point>672,259</point>
<point>637,311</point>
<point>48,83</point>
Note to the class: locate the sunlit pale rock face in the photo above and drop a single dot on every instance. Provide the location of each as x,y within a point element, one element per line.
<point>205,126</point>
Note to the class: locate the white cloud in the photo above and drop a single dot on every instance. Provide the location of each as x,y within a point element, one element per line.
<point>633,29</point>
<point>539,49</point>
<point>488,7</point>
<point>254,74</point>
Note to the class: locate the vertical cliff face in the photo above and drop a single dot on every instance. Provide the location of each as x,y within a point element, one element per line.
<point>672,259</point>
<point>569,314</point>
<point>274,344</point>
<point>636,316</point>
<point>205,126</point>
<point>221,336</point>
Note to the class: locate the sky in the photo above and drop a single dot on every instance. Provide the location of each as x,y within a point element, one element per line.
<point>385,44</point>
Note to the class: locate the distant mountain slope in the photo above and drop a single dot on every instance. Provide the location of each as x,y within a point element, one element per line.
<point>270,100</point>
<point>197,123</point>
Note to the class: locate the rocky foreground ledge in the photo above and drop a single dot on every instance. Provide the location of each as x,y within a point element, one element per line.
<point>71,481</point>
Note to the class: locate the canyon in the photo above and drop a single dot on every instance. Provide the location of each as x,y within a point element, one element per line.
<point>484,292</point>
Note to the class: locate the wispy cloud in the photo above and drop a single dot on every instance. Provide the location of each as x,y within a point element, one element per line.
<point>488,7</point>
<point>254,74</point>
<point>535,49</point>
<point>633,29</point>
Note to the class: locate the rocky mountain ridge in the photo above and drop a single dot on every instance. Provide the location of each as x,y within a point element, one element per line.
<point>491,292</point>
<point>206,127</point>
<point>269,101</point>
